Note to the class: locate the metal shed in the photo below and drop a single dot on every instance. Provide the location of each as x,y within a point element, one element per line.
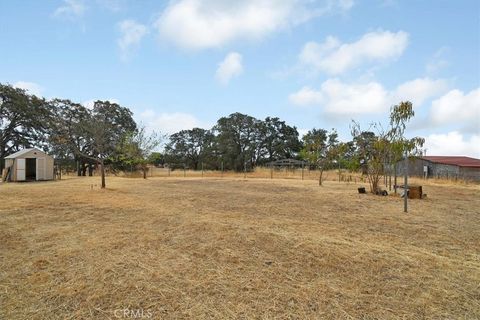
<point>28,165</point>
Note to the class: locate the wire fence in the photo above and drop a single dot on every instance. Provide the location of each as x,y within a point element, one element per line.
<point>257,173</point>
<point>342,175</point>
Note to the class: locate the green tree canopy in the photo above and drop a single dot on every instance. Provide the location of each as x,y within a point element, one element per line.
<point>24,120</point>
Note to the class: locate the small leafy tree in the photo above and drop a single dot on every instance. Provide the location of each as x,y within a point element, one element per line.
<point>137,147</point>
<point>320,149</point>
<point>373,152</point>
<point>156,158</point>
<point>376,150</point>
<point>399,116</point>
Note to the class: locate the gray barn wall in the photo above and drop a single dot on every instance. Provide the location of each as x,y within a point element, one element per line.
<point>447,171</point>
<point>438,170</point>
<point>415,167</point>
<point>470,173</point>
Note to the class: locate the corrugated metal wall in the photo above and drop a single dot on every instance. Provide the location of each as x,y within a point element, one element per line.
<point>438,170</point>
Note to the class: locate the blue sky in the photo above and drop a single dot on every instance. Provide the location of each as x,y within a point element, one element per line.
<point>185,63</point>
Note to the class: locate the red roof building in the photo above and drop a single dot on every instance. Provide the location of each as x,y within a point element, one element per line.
<point>454,160</point>
<point>446,167</point>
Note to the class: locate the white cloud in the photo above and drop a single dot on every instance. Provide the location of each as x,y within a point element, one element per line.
<point>335,57</point>
<point>419,90</point>
<point>229,68</point>
<point>340,98</point>
<point>201,24</point>
<point>169,122</point>
<point>459,109</point>
<point>132,33</point>
<point>30,87</point>
<point>306,96</point>
<point>70,10</point>
<point>453,144</point>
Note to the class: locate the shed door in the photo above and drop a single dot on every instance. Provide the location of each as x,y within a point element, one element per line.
<point>20,169</point>
<point>41,168</point>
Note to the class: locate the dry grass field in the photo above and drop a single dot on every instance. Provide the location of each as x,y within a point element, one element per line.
<point>192,248</point>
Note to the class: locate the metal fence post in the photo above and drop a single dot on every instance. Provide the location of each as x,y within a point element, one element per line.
<point>405,193</point>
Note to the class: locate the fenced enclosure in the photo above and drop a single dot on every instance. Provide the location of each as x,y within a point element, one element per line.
<point>270,172</point>
<point>257,173</point>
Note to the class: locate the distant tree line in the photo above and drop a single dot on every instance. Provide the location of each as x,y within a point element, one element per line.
<point>106,135</point>
<point>241,142</point>
<point>236,142</point>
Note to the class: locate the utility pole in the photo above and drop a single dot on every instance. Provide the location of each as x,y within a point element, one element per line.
<point>339,174</point>
<point>405,186</point>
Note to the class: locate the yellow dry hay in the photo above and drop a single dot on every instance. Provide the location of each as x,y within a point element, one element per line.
<point>192,248</point>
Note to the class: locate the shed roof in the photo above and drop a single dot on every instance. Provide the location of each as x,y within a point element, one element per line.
<point>22,152</point>
<point>287,162</point>
<point>454,160</point>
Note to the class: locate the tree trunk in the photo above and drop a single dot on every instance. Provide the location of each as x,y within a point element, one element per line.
<point>375,185</point>
<point>2,157</point>
<point>320,178</point>
<point>144,169</point>
<point>395,178</point>
<point>79,169</point>
<point>390,180</point>
<point>90,169</point>
<point>102,169</point>
<point>84,169</point>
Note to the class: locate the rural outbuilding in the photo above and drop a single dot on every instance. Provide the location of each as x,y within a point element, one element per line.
<point>447,167</point>
<point>28,165</point>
